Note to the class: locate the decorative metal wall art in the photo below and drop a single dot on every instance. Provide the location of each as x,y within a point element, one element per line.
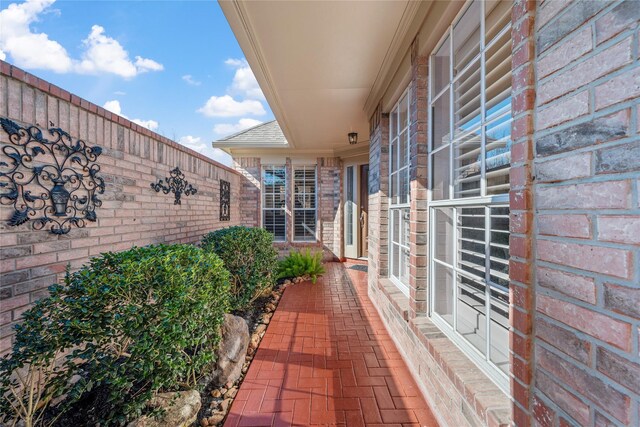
<point>49,182</point>
<point>175,184</point>
<point>225,200</point>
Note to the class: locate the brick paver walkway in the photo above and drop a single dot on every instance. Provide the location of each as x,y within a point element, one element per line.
<point>326,359</point>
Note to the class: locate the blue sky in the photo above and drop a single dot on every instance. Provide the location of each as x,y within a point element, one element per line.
<point>172,66</point>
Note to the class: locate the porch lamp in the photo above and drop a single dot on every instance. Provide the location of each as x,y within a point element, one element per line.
<point>353,138</point>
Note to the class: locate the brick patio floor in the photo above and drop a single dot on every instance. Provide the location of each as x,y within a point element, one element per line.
<point>327,359</point>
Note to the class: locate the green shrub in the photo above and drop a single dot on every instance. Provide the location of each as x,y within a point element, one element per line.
<point>251,259</point>
<point>298,264</point>
<point>131,323</point>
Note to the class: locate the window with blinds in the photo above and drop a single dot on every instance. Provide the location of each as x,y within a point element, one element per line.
<point>399,196</point>
<point>274,179</point>
<point>304,203</point>
<point>469,159</point>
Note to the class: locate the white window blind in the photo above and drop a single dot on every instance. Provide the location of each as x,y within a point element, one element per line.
<point>274,179</point>
<point>399,194</point>
<point>304,203</point>
<point>469,159</point>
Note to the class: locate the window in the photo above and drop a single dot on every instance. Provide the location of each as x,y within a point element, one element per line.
<point>469,159</point>
<point>304,203</point>
<point>399,196</point>
<point>274,201</point>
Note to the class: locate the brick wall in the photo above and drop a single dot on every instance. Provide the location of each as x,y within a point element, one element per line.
<point>418,238</point>
<point>250,200</point>
<point>329,203</point>
<point>587,170</point>
<point>131,214</point>
<point>378,245</point>
<point>523,16</point>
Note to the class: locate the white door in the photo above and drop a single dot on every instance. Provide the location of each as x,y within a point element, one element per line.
<point>351,211</point>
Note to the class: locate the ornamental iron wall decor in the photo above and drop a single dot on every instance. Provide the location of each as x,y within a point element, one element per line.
<point>175,184</point>
<point>52,182</point>
<point>225,200</point>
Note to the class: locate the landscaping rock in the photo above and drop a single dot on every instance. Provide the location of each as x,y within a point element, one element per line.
<point>215,418</point>
<point>224,406</point>
<point>260,330</point>
<point>232,350</point>
<point>181,410</point>
<point>216,393</point>
<point>231,393</point>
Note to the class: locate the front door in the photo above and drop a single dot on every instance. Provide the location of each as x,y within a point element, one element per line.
<point>356,203</point>
<point>351,211</point>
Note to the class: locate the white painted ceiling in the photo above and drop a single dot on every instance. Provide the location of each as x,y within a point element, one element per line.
<point>317,62</point>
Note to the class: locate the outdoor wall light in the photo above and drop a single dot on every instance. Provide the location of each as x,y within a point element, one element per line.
<point>353,138</point>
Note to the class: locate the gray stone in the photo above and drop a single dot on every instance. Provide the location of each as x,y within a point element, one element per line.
<point>232,350</point>
<point>181,410</point>
<point>578,136</point>
<point>574,16</point>
<point>622,300</point>
<point>621,158</point>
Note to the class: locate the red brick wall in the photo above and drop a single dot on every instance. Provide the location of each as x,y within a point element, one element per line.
<point>587,178</point>
<point>131,214</point>
<point>520,205</point>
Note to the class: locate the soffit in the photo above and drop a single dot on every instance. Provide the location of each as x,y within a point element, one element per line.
<point>317,61</point>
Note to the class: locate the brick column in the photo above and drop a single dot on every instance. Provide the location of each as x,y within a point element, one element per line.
<point>250,200</point>
<point>378,197</point>
<point>520,203</point>
<point>418,245</point>
<point>330,204</point>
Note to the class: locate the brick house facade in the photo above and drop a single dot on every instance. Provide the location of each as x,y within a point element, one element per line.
<point>503,243</point>
<point>572,195</point>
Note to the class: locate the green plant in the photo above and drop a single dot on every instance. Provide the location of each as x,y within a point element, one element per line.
<point>129,324</point>
<point>249,256</point>
<point>298,264</point>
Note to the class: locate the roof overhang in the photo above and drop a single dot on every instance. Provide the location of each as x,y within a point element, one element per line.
<point>324,65</point>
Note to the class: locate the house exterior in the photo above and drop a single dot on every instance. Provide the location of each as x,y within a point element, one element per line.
<point>494,189</point>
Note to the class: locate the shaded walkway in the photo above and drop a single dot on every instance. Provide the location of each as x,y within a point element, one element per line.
<point>327,359</point>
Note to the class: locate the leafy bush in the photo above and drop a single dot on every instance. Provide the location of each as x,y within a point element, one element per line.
<point>249,256</point>
<point>298,264</point>
<point>130,324</point>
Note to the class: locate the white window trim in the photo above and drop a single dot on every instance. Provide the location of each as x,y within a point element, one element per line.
<point>294,209</point>
<point>500,378</point>
<point>262,199</point>
<point>403,287</point>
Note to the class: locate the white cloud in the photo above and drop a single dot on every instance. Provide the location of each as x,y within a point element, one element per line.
<point>244,81</point>
<point>114,107</point>
<point>105,55</point>
<point>119,93</point>
<point>235,63</point>
<point>196,144</point>
<point>190,80</point>
<point>149,124</point>
<point>193,142</point>
<point>226,106</point>
<point>224,129</point>
<point>102,54</point>
<point>27,49</point>
<point>146,64</point>
<point>3,56</point>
